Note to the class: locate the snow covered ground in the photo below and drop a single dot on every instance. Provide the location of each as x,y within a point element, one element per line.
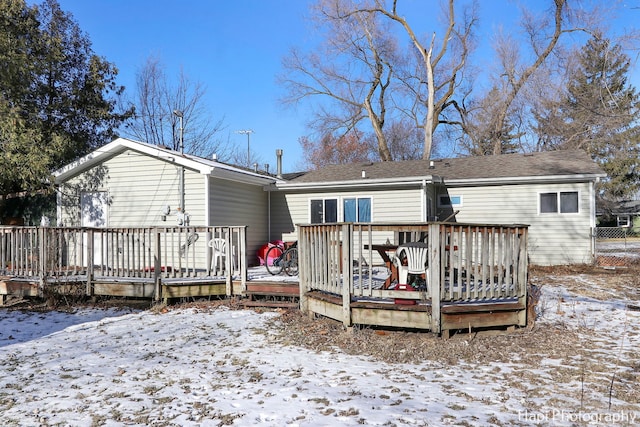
<point>210,366</point>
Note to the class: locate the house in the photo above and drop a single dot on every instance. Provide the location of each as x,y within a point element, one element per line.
<point>627,215</point>
<point>128,183</point>
<point>553,192</point>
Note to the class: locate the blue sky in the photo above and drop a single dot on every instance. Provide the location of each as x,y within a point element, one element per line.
<point>235,49</point>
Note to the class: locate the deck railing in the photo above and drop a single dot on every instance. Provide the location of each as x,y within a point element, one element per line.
<point>161,253</point>
<point>466,262</point>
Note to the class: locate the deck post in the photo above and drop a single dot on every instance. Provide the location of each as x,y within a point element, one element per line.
<point>303,266</point>
<point>242,258</point>
<point>42,260</point>
<point>434,275</point>
<point>90,262</point>
<point>523,271</point>
<point>228,265</point>
<point>157,267</point>
<point>347,272</point>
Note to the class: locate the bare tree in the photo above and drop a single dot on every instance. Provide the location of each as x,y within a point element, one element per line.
<point>494,122</point>
<point>330,150</point>
<point>353,69</point>
<point>158,106</point>
<point>440,66</point>
<point>386,83</point>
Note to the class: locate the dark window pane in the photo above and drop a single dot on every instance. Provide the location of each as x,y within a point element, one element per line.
<point>444,200</point>
<point>548,202</point>
<point>331,210</point>
<point>316,211</point>
<point>569,202</point>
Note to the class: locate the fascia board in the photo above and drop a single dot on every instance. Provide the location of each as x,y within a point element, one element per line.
<point>85,162</point>
<point>471,182</point>
<point>119,145</point>
<point>360,183</point>
<point>240,176</point>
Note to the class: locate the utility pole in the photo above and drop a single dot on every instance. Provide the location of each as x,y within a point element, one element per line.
<point>247,132</point>
<point>180,115</point>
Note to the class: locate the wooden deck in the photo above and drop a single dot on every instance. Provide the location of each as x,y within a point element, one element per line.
<point>476,276</point>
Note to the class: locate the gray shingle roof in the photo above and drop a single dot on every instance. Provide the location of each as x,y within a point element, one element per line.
<point>540,164</point>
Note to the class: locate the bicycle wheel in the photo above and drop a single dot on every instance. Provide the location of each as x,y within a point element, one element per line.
<point>273,260</point>
<point>290,261</point>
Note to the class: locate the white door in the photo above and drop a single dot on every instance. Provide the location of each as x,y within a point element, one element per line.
<point>93,206</point>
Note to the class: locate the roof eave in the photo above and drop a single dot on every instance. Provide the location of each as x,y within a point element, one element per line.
<point>524,179</point>
<point>240,176</point>
<point>119,145</point>
<point>359,183</point>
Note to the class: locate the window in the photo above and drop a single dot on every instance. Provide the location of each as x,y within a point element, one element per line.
<point>569,202</point>
<point>445,201</point>
<point>548,202</point>
<point>357,210</point>
<point>324,210</point>
<point>354,209</point>
<point>624,221</point>
<point>563,202</point>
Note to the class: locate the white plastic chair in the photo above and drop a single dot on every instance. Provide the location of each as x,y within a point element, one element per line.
<point>219,255</point>
<point>416,254</point>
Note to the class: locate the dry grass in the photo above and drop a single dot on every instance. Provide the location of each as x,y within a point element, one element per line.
<point>578,351</point>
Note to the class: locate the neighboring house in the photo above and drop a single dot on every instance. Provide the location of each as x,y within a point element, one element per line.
<point>553,192</point>
<point>627,215</point>
<point>128,183</point>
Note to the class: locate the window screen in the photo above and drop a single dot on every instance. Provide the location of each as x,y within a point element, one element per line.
<point>364,210</point>
<point>317,212</point>
<point>331,210</point>
<point>548,202</point>
<point>569,202</point>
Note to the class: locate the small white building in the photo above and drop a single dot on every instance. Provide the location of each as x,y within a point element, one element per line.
<point>132,184</point>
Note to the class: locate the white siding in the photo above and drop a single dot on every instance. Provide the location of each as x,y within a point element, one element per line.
<point>233,203</point>
<point>553,238</point>
<point>389,205</point>
<point>139,187</point>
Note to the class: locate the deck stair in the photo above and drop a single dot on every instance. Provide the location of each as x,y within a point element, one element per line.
<point>272,294</point>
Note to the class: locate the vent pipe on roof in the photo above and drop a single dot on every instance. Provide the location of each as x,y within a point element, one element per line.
<point>279,166</point>
<point>255,167</point>
<point>432,165</point>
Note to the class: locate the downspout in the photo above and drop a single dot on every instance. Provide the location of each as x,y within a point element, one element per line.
<point>279,176</point>
<point>269,213</point>
<point>424,200</point>
<point>207,200</point>
<point>58,206</point>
